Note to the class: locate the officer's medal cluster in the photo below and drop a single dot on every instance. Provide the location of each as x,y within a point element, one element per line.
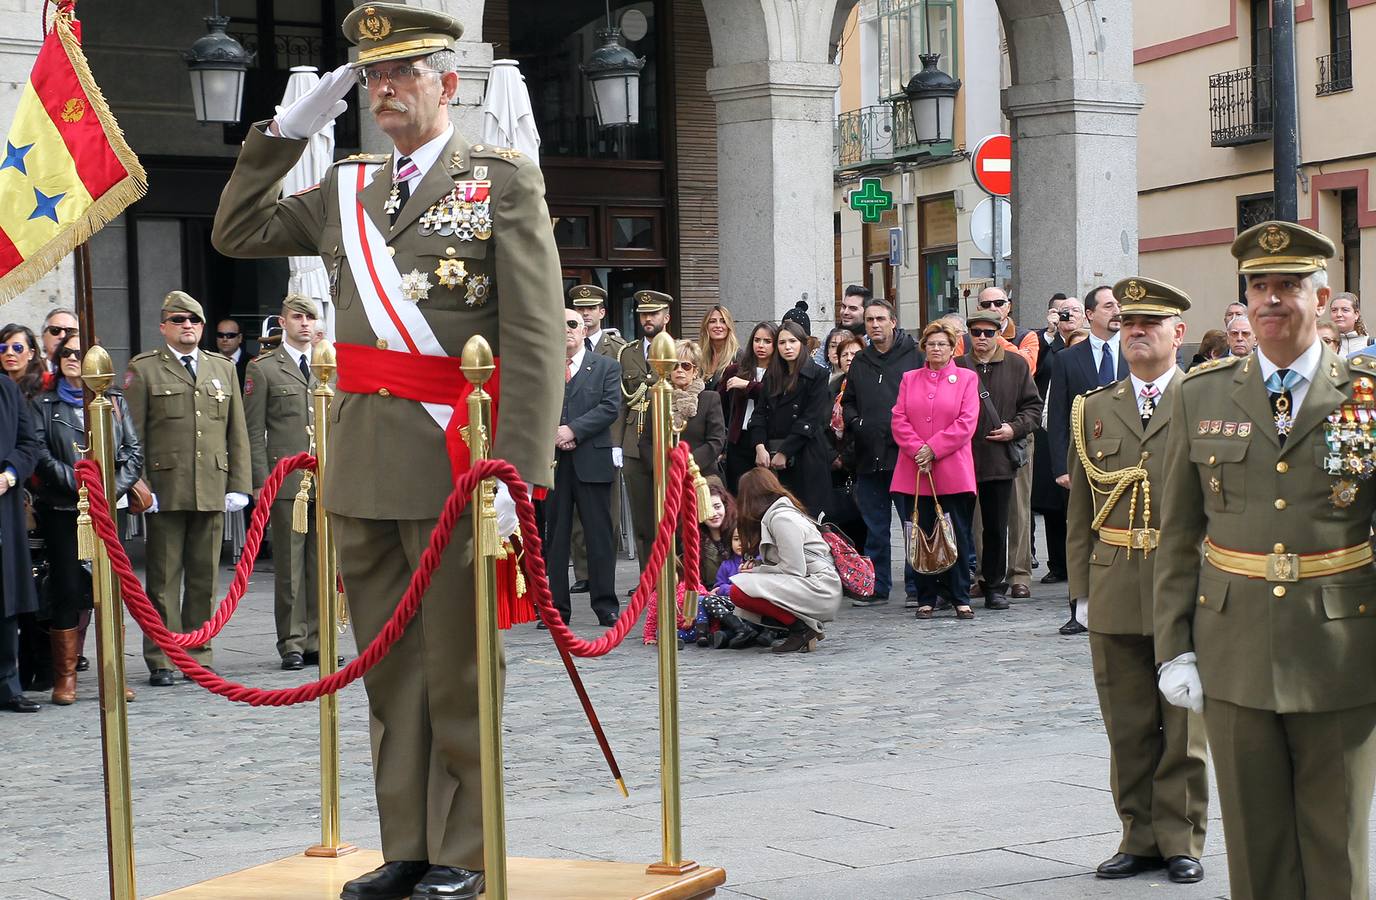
<point>464,213</point>
<point>1351,442</point>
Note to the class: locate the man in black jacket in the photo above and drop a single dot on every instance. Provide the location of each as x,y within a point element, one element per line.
<point>871,391</point>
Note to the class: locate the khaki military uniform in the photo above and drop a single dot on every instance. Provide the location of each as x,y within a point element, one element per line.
<point>277,405</point>
<point>637,377</point>
<point>1288,667</point>
<point>389,473</point>
<point>1157,767</point>
<point>610,346</point>
<point>196,448</point>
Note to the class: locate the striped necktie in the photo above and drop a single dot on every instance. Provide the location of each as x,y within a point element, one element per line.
<point>406,170</point>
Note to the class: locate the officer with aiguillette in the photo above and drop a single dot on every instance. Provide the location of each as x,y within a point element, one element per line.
<point>1265,589</point>
<point>637,377</point>
<point>1117,466</point>
<point>426,247</point>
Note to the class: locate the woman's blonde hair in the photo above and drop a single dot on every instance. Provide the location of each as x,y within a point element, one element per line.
<point>689,351</point>
<point>717,359</point>
<point>943,327</point>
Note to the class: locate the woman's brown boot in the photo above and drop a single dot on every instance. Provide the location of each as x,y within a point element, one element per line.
<point>64,665</point>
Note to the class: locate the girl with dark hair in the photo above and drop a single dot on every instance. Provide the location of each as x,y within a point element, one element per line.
<point>20,359</point>
<point>788,428</point>
<point>740,385</point>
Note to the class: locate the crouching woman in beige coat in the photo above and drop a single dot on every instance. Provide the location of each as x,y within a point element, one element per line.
<point>795,583</point>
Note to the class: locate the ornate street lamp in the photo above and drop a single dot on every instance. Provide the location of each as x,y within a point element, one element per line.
<point>217,63</point>
<point>614,74</point>
<point>932,98</point>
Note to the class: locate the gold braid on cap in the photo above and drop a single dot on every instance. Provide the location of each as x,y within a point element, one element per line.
<point>1134,477</point>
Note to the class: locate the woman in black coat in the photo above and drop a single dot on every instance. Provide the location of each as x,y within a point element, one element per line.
<point>60,423</point>
<point>789,426</point>
<point>739,386</point>
<point>19,450</point>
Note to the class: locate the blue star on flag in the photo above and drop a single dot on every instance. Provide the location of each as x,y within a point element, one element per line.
<point>14,157</point>
<point>45,205</point>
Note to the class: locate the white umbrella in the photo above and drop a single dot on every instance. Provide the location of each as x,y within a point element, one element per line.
<point>507,117</point>
<point>308,274</point>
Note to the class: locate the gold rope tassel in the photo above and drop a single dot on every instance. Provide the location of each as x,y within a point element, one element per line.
<point>300,507</point>
<point>85,529</point>
<point>703,492</point>
<point>1134,477</point>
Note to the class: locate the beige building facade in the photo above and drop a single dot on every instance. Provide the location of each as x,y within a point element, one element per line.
<point>1205,146</point>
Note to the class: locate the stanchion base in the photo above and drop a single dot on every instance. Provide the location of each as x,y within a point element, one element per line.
<point>320,851</point>
<point>321,878</point>
<point>663,868</point>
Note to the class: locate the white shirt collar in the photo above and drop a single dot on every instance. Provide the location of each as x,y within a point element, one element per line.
<point>195,354</point>
<point>295,354</point>
<point>575,362</point>
<point>1306,365</point>
<point>237,354</point>
<point>425,155</point>
<point>1098,343</point>
<point>594,336</point>
<point>1161,383</point>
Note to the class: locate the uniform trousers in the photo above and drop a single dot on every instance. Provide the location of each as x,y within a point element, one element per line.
<point>1020,526</point>
<point>640,490</point>
<point>584,501</point>
<point>183,562</point>
<point>423,695</point>
<point>296,605</point>
<point>580,548</point>
<point>1157,768</point>
<point>1295,789</point>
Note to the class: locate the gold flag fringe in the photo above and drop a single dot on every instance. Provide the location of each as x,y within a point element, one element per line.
<point>106,207</point>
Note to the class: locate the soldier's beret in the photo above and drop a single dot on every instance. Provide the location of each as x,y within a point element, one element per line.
<point>651,301</point>
<point>587,295</point>
<point>302,304</point>
<point>384,31</point>
<point>180,301</point>
<point>1138,296</point>
<point>1281,248</point>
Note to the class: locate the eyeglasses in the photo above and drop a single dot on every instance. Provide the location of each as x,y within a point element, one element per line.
<point>14,348</point>
<point>938,345</point>
<point>982,332</point>
<point>183,319</point>
<point>990,304</point>
<point>685,366</point>
<point>572,323</point>
<point>401,75</point>
<point>65,352</point>
<point>226,335</point>
<point>58,330</point>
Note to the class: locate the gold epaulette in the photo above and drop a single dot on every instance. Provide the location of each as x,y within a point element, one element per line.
<point>363,157</point>
<point>1362,361</point>
<point>1213,365</point>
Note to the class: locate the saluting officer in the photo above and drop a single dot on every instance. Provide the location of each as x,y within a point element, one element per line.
<point>187,409</point>
<point>590,302</point>
<point>277,404</point>
<point>1158,777</point>
<point>1273,633</point>
<point>427,246</point>
<point>637,377</point>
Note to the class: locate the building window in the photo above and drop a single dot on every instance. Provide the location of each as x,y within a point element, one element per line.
<point>1335,69</point>
<point>907,29</point>
<point>1351,240</point>
<point>940,261</point>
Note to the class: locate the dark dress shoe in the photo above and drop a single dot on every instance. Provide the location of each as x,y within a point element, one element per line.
<point>82,664</point>
<point>1184,870</point>
<point>22,704</point>
<point>389,881</point>
<point>1073,626</point>
<point>1125,865</point>
<point>292,662</point>
<point>1053,578</point>
<point>160,678</point>
<point>996,601</point>
<point>540,625</point>
<point>579,587</point>
<point>1020,592</point>
<point>312,658</point>
<point>606,621</point>
<point>449,883</point>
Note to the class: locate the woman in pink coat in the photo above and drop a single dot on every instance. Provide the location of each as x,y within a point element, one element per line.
<point>933,424</point>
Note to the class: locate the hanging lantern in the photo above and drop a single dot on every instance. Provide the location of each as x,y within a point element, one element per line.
<point>217,63</point>
<point>932,98</point>
<point>614,75</point>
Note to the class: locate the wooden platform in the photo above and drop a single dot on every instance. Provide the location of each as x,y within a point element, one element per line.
<point>303,878</point>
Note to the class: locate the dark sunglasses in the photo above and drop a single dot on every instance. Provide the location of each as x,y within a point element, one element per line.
<point>570,323</point>
<point>183,319</point>
<point>989,304</point>
<point>65,352</point>
<point>226,335</point>
<point>982,332</point>
<point>685,366</point>
<point>58,330</point>
<point>14,348</point>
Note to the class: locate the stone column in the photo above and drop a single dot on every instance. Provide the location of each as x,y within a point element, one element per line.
<point>774,143</point>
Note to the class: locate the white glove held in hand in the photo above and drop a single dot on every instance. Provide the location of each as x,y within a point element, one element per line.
<point>1179,683</point>
<point>235,501</point>
<point>1082,612</point>
<point>320,107</point>
<point>618,457</point>
<point>153,507</point>
<point>507,522</point>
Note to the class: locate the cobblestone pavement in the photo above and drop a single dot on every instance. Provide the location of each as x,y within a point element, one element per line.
<point>904,759</point>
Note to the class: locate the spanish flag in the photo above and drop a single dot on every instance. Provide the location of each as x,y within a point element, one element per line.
<point>66,170</point>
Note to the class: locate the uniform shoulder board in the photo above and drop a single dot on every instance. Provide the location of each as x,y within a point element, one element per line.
<point>1213,365</point>
<point>362,158</point>
<point>217,355</point>
<point>1363,361</point>
<point>506,154</point>
<point>1102,387</point>
<point>147,354</point>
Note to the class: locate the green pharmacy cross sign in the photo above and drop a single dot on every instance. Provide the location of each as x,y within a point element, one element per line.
<point>870,200</point>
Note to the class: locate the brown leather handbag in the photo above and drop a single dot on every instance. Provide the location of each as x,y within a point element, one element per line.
<point>935,553</point>
<point>140,497</point>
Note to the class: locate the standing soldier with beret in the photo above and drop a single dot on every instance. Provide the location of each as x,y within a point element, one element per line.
<point>637,377</point>
<point>1272,634</point>
<point>426,247</point>
<point>277,404</point>
<point>187,409</point>
<point>1117,472</point>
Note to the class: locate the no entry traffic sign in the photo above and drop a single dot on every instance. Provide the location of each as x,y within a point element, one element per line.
<point>992,163</point>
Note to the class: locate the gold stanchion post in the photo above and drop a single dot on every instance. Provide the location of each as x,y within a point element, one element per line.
<point>322,396</point>
<point>663,357</point>
<point>478,368</point>
<point>98,372</point>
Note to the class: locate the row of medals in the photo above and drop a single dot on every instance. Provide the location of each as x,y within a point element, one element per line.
<point>456,217</point>
<point>1350,433</point>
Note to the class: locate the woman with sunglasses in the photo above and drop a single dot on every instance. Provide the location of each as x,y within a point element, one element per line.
<point>788,429</point>
<point>740,387</point>
<point>60,424</point>
<point>20,359</point>
<point>697,411</point>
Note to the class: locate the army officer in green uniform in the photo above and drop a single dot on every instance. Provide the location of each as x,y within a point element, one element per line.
<point>1117,469</point>
<point>1265,589</point>
<point>427,246</point>
<point>637,377</point>
<point>187,409</point>
<point>277,405</point>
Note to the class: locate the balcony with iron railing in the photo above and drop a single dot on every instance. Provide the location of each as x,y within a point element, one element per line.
<point>880,134</point>
<point>1335,73</point>
<point>1240,106</point>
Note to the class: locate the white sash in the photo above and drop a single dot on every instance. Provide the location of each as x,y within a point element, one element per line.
<point>377,279</point>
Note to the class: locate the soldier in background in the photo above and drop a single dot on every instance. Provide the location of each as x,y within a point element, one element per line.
<point>277,405</point>
<point>1158,772</point>
<point>187,409</point>
<point>637,377</point>
<point>1273,633</point>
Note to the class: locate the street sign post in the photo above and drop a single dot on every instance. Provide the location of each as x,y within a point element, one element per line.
<point>992,163</point>
<point>895,246</point>
<point>982,227</point>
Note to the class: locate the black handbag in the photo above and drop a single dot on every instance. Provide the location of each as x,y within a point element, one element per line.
<point>989,420</point>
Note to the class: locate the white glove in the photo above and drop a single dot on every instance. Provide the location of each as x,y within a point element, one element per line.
<point>1082,612</point>
<point>1179,683</point>
<point>235,501</point>
<point>507,522</point>
<point>319,108</point>
<point>154,507</point>
<point>618,457</point>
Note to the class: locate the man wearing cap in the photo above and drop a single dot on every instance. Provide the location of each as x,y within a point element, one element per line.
<point>590,302</point>
<point>637,377</point>
<point>187,409</point>
<point>1273,633</point>
<point>1118,437</point>
<point>426,247</point>
<point>277,405</point>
